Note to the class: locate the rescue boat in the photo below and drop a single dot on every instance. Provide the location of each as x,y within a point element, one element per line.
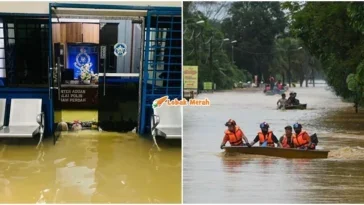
<point>296,107</point>
<point>279,152</point>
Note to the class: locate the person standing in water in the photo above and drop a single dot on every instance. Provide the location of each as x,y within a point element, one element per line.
<point>281,103</point>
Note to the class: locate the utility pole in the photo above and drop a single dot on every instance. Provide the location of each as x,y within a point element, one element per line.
<point>232,54</point>
<point>232,51</point>
<point>195,49</point>
<point>289,69</point>
<point>210,59</point>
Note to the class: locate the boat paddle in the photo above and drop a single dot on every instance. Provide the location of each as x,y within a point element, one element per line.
<point>265,143</point>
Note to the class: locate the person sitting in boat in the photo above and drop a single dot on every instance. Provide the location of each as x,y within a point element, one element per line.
<point>281,103</point>
<point>234,135</point>
<point>296,101</point>
<point>267,88</point>
<point>286,139</point>
<point>302,139</point>
<point>279,85</point>
<point>292,99</point>
<point>266,137</point>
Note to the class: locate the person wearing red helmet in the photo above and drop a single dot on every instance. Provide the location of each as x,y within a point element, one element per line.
<point>266,137</point>
<point>234,135</point>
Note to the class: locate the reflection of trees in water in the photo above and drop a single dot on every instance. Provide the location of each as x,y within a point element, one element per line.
<point>233,162</point>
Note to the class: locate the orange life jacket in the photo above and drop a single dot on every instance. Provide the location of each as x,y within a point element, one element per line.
<point>299,141</point>
<point>285,142</point>
<point>267,137</point>
<point>235,138</point>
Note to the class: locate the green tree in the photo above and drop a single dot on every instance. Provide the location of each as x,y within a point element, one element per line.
<point>203,46</point>
<point>255,26</point>
<point>332,32</point>
<point>355,82</point>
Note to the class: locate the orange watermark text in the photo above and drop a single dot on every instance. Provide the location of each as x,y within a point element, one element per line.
<point>183,102</point>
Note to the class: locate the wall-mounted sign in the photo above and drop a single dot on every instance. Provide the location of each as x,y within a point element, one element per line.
<point>102,52</point>
<point>190,77</point>
<point>120,49</point>
<point>80,55</point>
<point>79,98</point>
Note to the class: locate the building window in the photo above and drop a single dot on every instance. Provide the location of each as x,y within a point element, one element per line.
<point>26,51</point>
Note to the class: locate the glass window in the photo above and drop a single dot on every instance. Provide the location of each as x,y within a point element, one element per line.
<point>26,54</point>
<point>11,41</point>
<point>11,33</point>
<point>1,33</point>
<point>2,43</point>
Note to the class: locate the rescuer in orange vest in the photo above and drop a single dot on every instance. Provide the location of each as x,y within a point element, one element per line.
<point>234,135</point>
<point>286,139</point>
<point>302,140</point>
<point>266,137</point>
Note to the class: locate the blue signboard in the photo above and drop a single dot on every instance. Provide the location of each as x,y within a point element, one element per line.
<point>80,55</point>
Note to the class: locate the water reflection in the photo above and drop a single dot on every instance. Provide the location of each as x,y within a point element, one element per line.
<point>91,167</point>
<point>210,176</point>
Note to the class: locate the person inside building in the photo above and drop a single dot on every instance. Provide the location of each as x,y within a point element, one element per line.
<point>266,137</point>
<point>234,135</point>
<point>286,139</point>
<point>281,103</point>
<point>302,139</point>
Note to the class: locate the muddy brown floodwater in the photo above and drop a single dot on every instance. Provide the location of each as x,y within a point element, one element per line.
<point>212,177</point>
<point>90,167</point>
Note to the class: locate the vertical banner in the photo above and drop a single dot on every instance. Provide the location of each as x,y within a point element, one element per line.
<point>190,78</point>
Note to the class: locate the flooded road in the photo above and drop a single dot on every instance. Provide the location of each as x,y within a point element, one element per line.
<point>212,177</point>
<point>90,167</point>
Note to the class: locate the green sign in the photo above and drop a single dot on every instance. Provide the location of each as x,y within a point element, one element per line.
<point>207,85</point>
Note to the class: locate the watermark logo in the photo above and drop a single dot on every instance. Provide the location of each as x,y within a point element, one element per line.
<point>175,102</point>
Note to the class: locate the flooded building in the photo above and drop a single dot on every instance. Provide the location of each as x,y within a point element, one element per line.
<point>94,63</point>
<point>101,63</point>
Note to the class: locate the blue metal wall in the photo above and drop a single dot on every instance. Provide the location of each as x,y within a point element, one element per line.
<point>162,62</point>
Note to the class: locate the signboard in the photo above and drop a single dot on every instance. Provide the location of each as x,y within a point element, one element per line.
<point>79,98</point>
<point>102,52</point>
<point>207,85</point>
<point>80,55</point>
<point>190,77</point>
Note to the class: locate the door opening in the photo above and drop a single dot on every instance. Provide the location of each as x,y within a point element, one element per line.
<point>97,63</point>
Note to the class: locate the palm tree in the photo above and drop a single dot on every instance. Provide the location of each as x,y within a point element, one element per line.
<point>286,57</point>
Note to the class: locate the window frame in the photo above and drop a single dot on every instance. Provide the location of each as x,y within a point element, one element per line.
<point>41,30</point>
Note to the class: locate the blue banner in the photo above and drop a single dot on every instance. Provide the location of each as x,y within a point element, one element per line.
<point>81,54</point>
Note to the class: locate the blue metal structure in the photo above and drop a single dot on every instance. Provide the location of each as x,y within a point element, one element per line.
<point>27,92</point>
<point>162,74</point>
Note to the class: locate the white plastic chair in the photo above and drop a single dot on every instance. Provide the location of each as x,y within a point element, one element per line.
<point>2,112</point>
<point>167,122</point>
<point>26,119</point>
